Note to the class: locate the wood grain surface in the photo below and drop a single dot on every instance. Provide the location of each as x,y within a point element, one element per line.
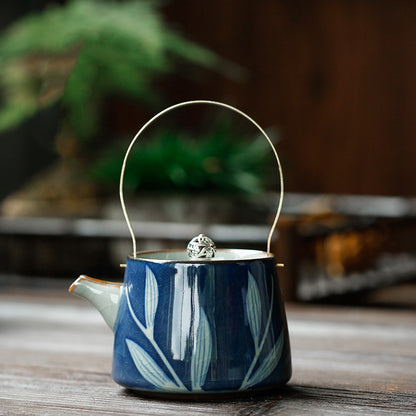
<point>55,359</point>
<point>335,77</point>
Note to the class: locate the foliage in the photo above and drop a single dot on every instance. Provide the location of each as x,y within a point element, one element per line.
<point>85,51</point>
<point>220,159</point>
<point>116,47</point>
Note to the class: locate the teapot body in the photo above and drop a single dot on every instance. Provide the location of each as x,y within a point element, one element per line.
<point>201,328</point>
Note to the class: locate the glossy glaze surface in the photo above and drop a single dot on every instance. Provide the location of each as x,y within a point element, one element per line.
<point>192,329</point>
<point>105,296</point>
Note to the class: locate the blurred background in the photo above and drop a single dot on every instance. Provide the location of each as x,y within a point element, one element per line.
<point>332,82</point>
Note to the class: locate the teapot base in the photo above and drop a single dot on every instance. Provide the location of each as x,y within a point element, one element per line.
<point>208,396</point>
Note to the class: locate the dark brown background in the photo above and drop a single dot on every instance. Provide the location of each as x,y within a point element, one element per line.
<point>336,77</point>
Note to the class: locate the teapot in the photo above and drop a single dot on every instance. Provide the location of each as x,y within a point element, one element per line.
<point>198,322</point>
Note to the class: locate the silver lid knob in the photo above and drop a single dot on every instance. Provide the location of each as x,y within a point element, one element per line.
<point>201,247</point>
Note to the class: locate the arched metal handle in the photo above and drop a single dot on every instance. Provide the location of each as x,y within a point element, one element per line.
<point>183,104</point>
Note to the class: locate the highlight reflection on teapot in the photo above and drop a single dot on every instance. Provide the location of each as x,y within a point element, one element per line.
<point>195,322</point>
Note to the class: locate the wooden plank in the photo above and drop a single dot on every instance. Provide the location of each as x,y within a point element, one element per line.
<point>55,359</point>
<point>336,77</point>
<point>106,228</point>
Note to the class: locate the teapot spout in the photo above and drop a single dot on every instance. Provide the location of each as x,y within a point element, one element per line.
<point>105,296</point>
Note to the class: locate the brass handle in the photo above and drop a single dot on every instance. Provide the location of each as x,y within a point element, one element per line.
<point>183,104</point>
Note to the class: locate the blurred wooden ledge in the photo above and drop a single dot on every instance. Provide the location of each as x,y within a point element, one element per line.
<point>56,351</point>
<point>333,246</point>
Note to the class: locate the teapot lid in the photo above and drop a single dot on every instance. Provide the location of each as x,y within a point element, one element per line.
<point>221,256</point>
<point>201,249</point>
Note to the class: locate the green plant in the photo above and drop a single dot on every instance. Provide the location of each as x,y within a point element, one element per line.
<point>220,159</point>
<point>85,51</point>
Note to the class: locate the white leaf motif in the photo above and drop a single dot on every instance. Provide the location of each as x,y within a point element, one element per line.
<point>151,298</point>
<point>201,356</point>
<point>148,367</point>
<point>269,364</point>
<point>253,309</point>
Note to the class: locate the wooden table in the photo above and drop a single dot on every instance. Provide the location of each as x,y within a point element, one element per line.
<point>55,359</point>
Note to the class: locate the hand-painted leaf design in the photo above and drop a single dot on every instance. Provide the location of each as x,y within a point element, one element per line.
<point>201,356</point>
<point>151,298</point>
<point>254,309</point>
<point>148,367</point>
<point>269,364</point>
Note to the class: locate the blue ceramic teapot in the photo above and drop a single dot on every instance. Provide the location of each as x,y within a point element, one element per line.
<point>195,322</point>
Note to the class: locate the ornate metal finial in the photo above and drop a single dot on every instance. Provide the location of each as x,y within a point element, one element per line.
<point>201,247</point>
